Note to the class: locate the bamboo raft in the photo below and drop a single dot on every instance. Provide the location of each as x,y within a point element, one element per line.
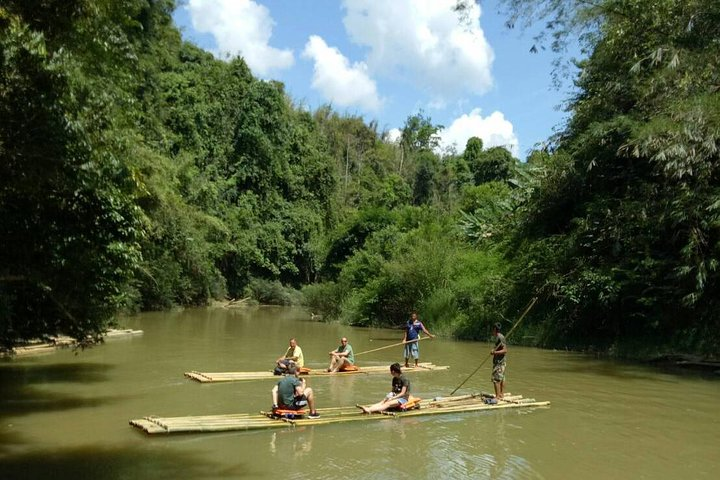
<point>153,425</point>
<point>214,377</point>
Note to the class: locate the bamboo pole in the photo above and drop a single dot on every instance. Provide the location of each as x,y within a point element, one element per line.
<point>532,302</point>
<point>473,408</point>
<point>390,346</point>
<point>455,399</point>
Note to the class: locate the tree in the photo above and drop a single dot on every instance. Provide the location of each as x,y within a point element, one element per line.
<point>493,164</point>
<point>636,258</point>
<point>473,150</point>
<point>70,225</point>
<point>424,184</point>
<point>419,133</point>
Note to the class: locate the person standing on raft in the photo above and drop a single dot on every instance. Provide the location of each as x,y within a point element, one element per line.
<point>291,393</point>
<point>399,395</point>
<point>411,339</point>
<point>498,353</point>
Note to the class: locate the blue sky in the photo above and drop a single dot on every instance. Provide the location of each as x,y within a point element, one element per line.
<point>385,60</point>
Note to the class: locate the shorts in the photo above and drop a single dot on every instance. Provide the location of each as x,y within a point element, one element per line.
<point>280,371</point>
<point>298,403</point>
<point>401,400</point>
<point>498,373</point>
<point>412,350</point>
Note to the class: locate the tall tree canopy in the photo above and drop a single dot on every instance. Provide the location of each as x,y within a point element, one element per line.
<point>631,246</point>
<point>140,172</point>
<point>70,224</point>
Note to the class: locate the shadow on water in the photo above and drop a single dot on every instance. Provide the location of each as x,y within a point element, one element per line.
<point>20,397</point>
<point>115,463</point>
<point>9,439</point>
<point>62,372</point>
<point>27,401</point>
<point>626,369</point>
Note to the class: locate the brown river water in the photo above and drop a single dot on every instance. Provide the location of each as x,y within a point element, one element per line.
<point>65,415</point>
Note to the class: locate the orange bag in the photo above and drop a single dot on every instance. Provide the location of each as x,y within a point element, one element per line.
<point>279,412</point>
<point>412,403</point>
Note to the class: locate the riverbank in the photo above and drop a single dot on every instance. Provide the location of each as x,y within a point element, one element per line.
<point>52,344</point>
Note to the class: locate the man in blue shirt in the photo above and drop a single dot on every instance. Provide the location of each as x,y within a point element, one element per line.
<point>412,338</point>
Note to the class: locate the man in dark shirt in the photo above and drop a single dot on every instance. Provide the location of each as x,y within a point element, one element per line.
<point>498,353</point>
<point>397,398</point>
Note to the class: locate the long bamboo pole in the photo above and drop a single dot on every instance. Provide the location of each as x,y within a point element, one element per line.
<point>390,346</point>
<point>527,310</point>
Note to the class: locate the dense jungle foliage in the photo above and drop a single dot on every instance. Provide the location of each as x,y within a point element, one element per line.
<point>139,172</point>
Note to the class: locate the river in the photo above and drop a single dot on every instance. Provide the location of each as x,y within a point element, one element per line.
<point>65,415</point>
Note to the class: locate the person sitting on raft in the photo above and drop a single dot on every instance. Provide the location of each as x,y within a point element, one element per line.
<point>342,357</point>
<point>291,393</point>
<point>397,398</point>
<point>293,355</point>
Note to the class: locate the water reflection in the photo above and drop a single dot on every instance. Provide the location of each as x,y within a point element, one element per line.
<point>491,453</point>
<point>339,391</point>
<point>293,443</point>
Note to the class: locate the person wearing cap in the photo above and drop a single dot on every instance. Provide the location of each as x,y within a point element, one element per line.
<point>291,393</point>
<point>293,355</point>
<point>399,395</point>
<point>342,356</point>
<point>411,339</point>
<point>498,353</point>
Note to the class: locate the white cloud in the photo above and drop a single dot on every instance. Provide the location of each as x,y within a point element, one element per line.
<point>437,104</point>
<point>494,130</point>
<point>338,81</point>
<point>424,42</point>
<point>393,135</point>
<point>241,27</point>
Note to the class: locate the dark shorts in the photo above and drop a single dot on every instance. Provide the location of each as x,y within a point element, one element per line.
<point>282,371</point>
<point>298,403</point>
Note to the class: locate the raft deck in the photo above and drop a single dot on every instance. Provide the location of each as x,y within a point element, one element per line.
<point>214,377</point>
<point>264,420</point>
